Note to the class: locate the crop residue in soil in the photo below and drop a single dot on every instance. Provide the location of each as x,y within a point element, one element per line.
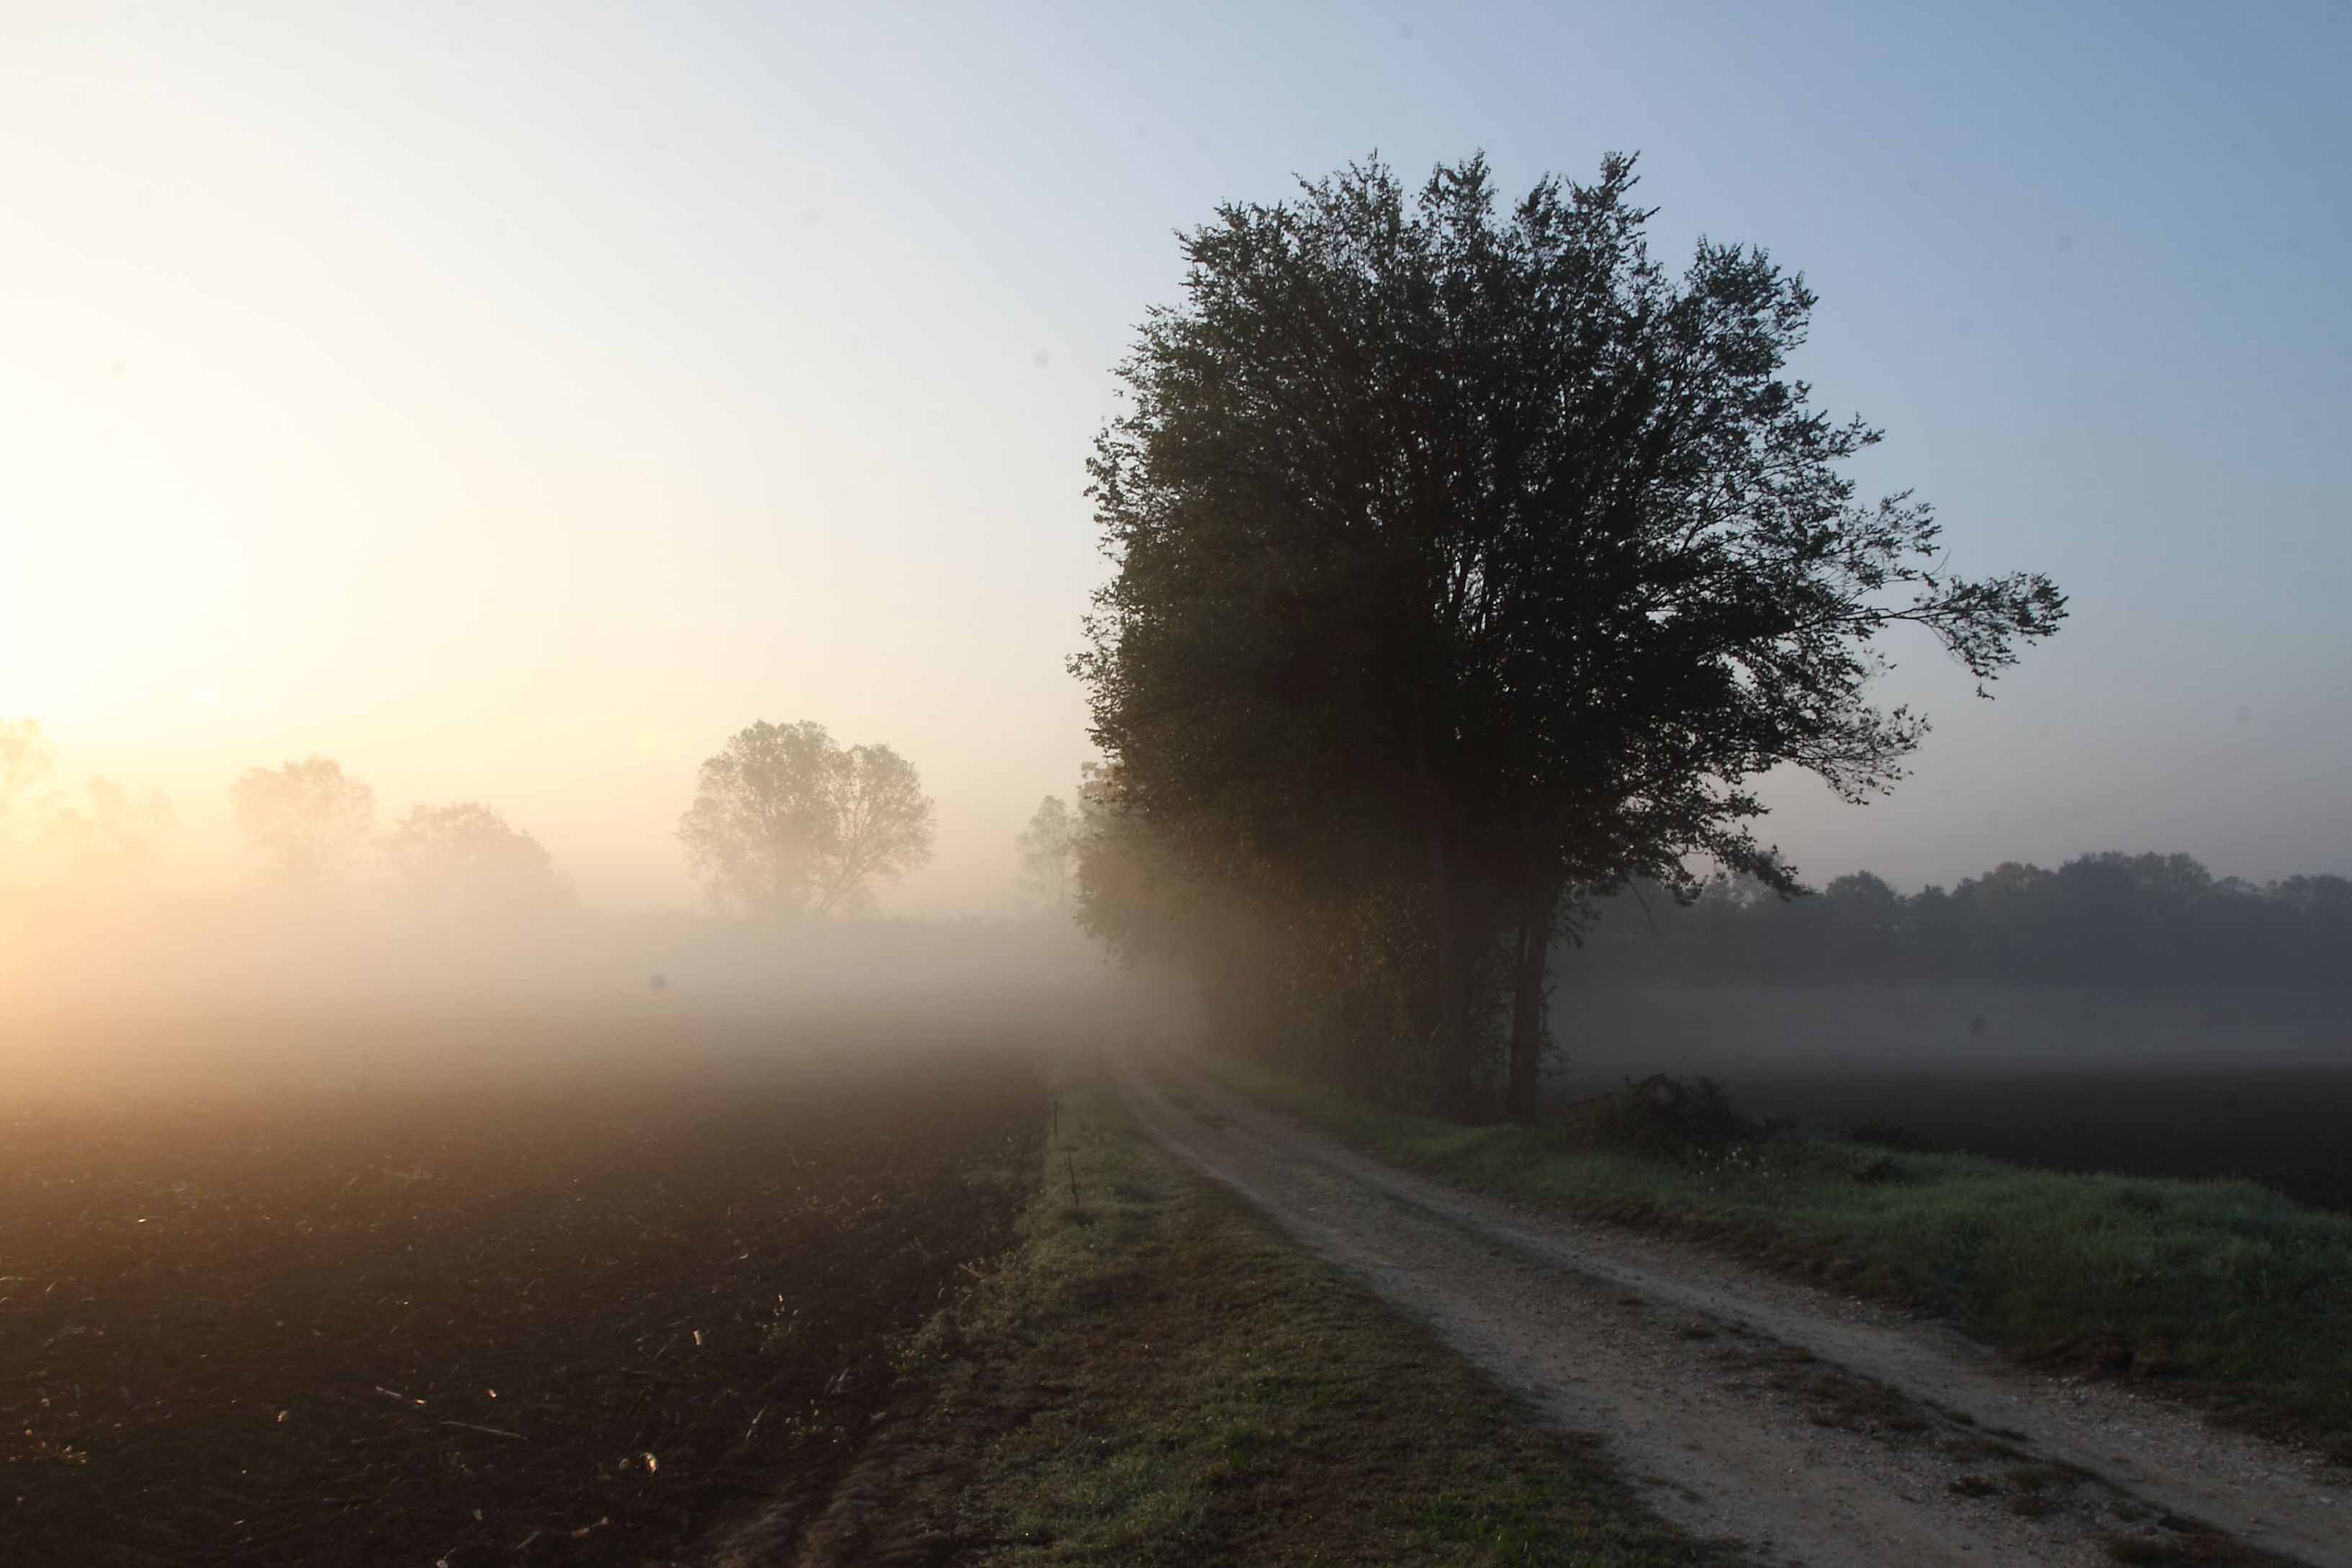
<point>577,1327</point>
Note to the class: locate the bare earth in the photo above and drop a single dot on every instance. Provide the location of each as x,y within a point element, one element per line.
<point>1811,1427</point>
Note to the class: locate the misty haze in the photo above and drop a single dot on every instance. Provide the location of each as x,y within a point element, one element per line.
<point>1284,786</point>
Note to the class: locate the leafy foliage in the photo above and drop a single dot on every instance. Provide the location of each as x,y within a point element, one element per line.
<point>1667,1115</point>
<point>787,821</point>
<point>1465,561</point>
<point>25,759</point>
<point>109,834</point>
<point>112,837</point>
<point>2103,919</point>
<point>468,855</point>
<point>1047,848</point>
<point>311,823</point>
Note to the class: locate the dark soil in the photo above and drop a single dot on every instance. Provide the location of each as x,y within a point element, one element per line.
<point>577,1327</point>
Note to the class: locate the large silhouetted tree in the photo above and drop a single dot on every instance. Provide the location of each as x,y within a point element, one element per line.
<point>307,820</point>
<point>787,821</point>
<point>468,855</point>
<point>1490,536</point>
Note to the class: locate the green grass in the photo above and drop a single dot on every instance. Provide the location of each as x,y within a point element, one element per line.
<point>1157,1376</point>
<point>2219,1289</point>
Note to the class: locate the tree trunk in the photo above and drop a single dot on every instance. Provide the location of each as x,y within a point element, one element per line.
<point>1539,902</point>
<point>1453,1071</point>
<point>1452,1081</point>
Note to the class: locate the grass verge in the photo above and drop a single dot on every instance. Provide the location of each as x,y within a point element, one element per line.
<point>1156,1376</point>
<point>2220,1289</point>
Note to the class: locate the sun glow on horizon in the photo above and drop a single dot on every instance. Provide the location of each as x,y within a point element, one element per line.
<point>514,411</point>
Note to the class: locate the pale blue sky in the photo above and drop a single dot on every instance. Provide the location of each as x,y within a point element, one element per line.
<point>512,405</point>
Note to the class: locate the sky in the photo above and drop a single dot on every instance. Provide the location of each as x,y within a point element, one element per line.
<point>512,402</point>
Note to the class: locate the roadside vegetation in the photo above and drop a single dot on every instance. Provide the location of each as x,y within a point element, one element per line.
<point>1156,1376</point>
<point>2217,1290</point>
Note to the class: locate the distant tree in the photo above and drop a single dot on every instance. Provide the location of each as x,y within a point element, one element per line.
<point>1861,922</point>
<point>1131,891</point>
<point>887,824</point>
<point>306,820</point>
<point>786,822</point>
<point>25,761</point>
<point>468,855</point>
<point>2319,897</point>
<point>1866,896</point>
<point>1490,537</point>
<point>2316,912</point>
<point>112,836</point>
<point>764,818</point>
<point>2105,919</point>
<point>1047,847</point>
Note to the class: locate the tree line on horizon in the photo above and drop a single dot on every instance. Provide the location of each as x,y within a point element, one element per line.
<point>785,824</point>
<point>106,833</point>
<point>1470,564</point>
<point>309,826</point>
<point>2105,919</point>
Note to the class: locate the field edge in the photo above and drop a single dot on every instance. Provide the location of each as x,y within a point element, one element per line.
<point>2216,1293</point>
<point>1154,1374</point>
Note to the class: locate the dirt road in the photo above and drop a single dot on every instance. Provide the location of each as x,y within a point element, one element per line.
<point>1815,1428</point>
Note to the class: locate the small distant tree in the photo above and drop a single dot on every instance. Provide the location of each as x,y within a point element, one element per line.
<point>307,819</point>
<point>468,855</point>
<point>1047,847</point>
<point>112,836</point>
<point>787,821</point>
<point>25,759</point>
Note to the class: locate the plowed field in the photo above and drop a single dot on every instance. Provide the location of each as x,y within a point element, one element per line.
<point>574,1327</point>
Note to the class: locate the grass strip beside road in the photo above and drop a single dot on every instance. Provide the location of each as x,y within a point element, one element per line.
<point>1158,1376</point>
<point>2220,1291</point>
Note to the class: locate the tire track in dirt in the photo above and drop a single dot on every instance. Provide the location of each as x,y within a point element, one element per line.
<point>1815,1429</point>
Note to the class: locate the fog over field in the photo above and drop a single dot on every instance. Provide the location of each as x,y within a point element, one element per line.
<point>584,526</point>
<point>926,782</point>
<point>241,994</point>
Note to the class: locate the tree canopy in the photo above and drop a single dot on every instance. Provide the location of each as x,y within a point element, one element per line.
<point>1470,563</point>
<point>2105,919</point>
<point>785,821</point>
<point>468,855</point>
<point>311,823</point>
<point>112,837</point>
<point>27,759</point>
<point>1046,849</point>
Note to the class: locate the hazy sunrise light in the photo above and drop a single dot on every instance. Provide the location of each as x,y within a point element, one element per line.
<point>1304,783</point>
